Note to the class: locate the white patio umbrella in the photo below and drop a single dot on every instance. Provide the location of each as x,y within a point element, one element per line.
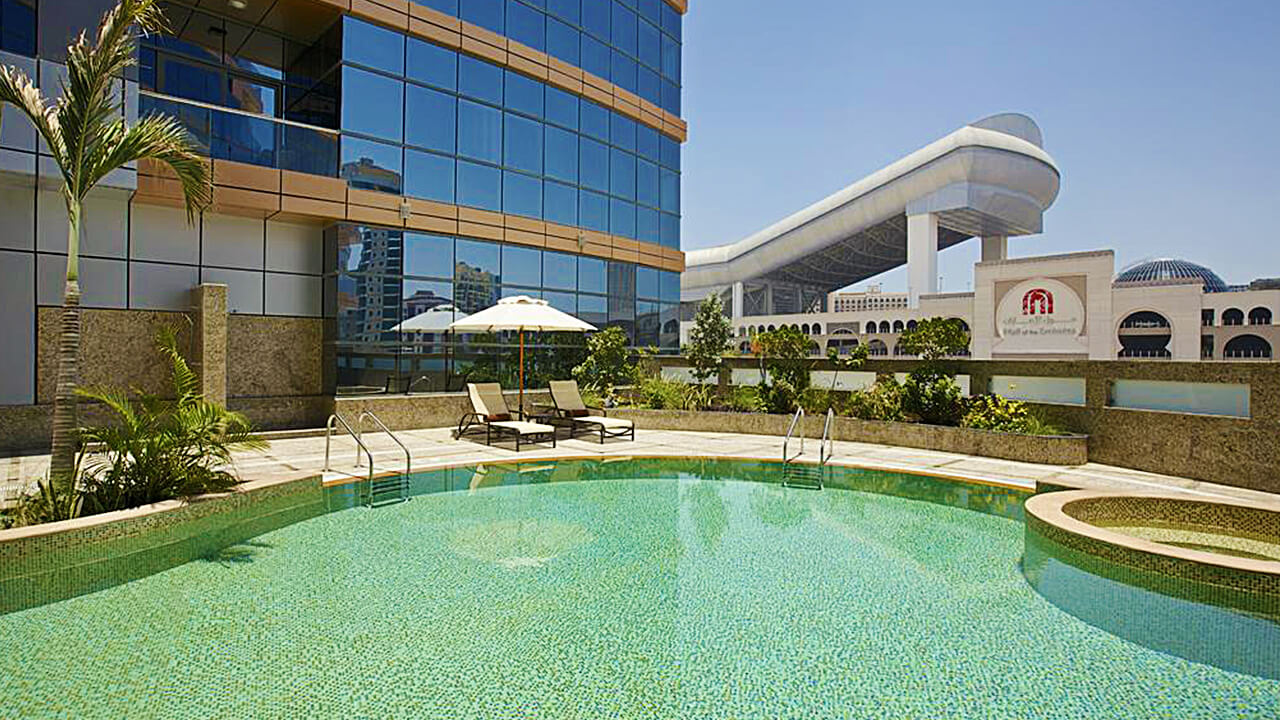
<point>520,313</point>
<point>435,320</point>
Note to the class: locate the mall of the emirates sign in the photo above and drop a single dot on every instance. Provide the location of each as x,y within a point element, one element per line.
<point>1040,315</point>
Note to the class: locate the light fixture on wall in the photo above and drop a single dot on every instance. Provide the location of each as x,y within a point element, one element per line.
<point>238,4</point>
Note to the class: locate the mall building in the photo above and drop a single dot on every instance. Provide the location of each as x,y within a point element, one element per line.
<point>989,181</point>
<point>373,161</point>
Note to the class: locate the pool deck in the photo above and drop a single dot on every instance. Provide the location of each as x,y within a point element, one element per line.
<point>297,457</point>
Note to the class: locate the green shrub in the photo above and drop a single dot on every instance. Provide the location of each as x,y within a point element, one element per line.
<point>932,396</point>
<point>993,412</point>
<point>656,392</point>
<point>161,449</point>
<point>816,401</point>
<point>881,401</point>
<point>607,364</point>
<point>708,339</point>
<point>744,398</point>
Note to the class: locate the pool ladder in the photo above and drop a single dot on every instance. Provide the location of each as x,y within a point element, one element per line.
<point>384,490</point>
<point>800,474</point>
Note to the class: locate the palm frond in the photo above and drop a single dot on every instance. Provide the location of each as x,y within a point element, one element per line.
<point>186,385</point>
<point>18,90</point>
<point>162,138</point>
<point>90,100</point>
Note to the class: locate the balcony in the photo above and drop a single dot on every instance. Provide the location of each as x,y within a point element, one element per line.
<point>227,134</point>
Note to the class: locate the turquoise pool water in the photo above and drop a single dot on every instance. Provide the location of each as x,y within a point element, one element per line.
<point>660,597</point>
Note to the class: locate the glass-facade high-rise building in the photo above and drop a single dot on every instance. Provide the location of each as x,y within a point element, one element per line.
<point>381,169</point>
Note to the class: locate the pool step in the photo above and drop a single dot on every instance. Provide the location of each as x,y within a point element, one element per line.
<point>388,490</point>
<point>802,476</point>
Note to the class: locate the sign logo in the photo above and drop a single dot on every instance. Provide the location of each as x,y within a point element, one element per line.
<point>1037,301</point>
<point>1040,316</point>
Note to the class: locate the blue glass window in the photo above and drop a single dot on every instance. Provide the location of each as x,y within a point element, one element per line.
<point>429,176</point>
<point>370,165</point>
<point>562,41</point>
<point>596,57</point>
<point>650,45</point>
<point>593,211</point>
<point>670,286</point>
<point>669,191</point>
<point>647,188</point>
<point>565,9</point>
<point>561,154</point>
<point>523,146</point>
<point>479,132</point>
<point>647,283</point>
<point>593,309</point>
<point>595,120</point>
<point>670,59</point>
<point>480,80</point>
<point>624,29</point>
<point>562,108</point>
<point>647,142</point>
<point>477,260</point>
<point>428,255</point>
<point>479,186</point>
<point>670,230</point>
<point>670,98</point>
<point>651,10</point>
<point>485,13</point>
<point>622,131</point>
<point>523,94</point>
<point>562,301</point>
<point>370,45</point>
<point>622,218</point>
<point>432,64</point>
<point>521,194</point>
<point>670,152</point>
<point>430,119</point>
<point>593,163</point>
<point>521,266</point>
<point>526,25</point>
<point>623,71</point>
<point>593,275</point>
<point>372,104</point>
<point>244,139</point>
<point>595,18</point>
<point>622,283</point>
<point>671,21</point>
<point>649,85</point>
<point>622,174</point>
<point>559,270</point>
<point>647,228</point>
<point>560,203</point>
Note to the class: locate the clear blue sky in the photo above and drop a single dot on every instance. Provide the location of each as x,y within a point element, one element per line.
<point>1164,117</point>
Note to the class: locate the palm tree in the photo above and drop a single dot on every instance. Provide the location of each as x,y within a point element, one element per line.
<point>88,138</point>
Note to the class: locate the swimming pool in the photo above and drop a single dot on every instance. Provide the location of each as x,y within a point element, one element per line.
<point>654,589</point>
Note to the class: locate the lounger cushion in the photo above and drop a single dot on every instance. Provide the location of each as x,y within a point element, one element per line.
<point>498,417</point>
<point>607,422</point>
<point>579,413</point>
<point>525,428</point>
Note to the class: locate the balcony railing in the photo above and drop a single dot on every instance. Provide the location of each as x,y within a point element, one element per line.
<point>229,134</point>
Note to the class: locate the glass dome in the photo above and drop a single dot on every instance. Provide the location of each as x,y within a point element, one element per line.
<point>1171,269</point>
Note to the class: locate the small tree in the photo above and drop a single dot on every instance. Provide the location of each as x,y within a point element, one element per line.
<point>784,366</point>
<point>930,391</point>
<point>608,362</point>
<point>851,362</point>
<point>708,339</point>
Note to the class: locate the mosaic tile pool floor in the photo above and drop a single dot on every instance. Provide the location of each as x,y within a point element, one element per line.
<point>657,598</point>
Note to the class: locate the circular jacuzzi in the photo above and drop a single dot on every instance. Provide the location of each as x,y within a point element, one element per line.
<point>1190,577</point>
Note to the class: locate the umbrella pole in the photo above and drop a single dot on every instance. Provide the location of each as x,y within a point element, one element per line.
<point>521,373</point>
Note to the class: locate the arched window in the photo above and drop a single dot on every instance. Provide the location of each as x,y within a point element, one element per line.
<point>1144,320</point>
<point>884,326</point>
<point>817,328</point>
<point>911,324</point>
<point>877,347</point>
<point>772,328</point>
<point>1232,316</point>
<point>842,331</point>
<point>898,326</point>
<point>1260,316</point>
<point>870,327</point>
<point>805,329</point>
<point>1247,346</point>
<point>963,325</point>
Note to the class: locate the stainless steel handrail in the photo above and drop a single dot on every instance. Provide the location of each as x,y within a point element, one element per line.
<point>237,111</point>
<point>328,438</point>
<point>794,419</point>
<point>823,453</point>
<point>408,459</point>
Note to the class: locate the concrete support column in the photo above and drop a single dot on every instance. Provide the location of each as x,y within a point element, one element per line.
<point>209,344</point>
<point>736,309</point>
<point>995,247</point>
<point>922,257</point>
